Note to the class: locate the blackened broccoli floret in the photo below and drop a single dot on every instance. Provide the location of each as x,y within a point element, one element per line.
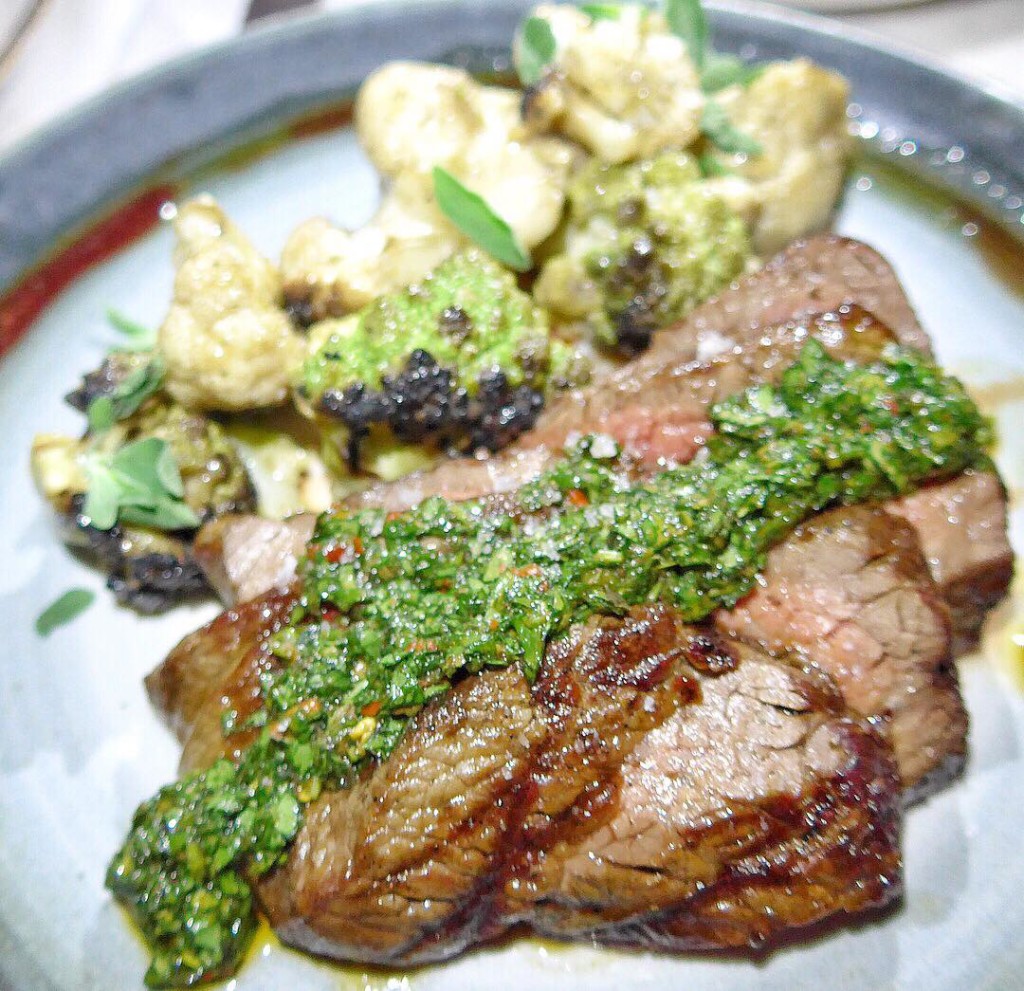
<point>426,401</point>
<point>459,362</point>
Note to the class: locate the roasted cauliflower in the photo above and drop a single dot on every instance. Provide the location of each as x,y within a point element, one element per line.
<point>473,131</point>
<point>226,342</point>
<point>796,112</point>
<point>624,88</point>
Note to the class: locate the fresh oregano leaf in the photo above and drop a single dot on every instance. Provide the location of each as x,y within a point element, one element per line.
<point>725,70</point>
<point>127,396</point>
<point>167,473</point>
<point>686,20</point>
<point>602,11</point>
<point>535,51</point>
<point>101,414</point>
<point>719,130</point>
<point>137,337</point>
<point>63,610</point>
<point>102,499</point>
<point>471,214</point>
<point>139,484</point>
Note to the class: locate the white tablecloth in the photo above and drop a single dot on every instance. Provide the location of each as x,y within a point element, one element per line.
<point>76,48</point>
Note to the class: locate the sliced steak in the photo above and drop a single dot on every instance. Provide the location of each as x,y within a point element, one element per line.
<point>851,592</point>
<point>243,555</point>
<point>193,673</point>
<point>656,779</point>
<point>962,529</point>
<point>687,852</point>
<point>816,275</point>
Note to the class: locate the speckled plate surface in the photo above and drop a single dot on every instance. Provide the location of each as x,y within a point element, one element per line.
<point>79,744</point>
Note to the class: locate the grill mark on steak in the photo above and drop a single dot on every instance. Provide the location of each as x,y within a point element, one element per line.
<point>808,858</point>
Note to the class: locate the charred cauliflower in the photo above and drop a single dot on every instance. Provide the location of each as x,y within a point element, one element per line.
<point>623,87</point>
<point>226,342</point>
<point>459,360</point>
<point>796,113</point>
<point>328,272</point>
<point>645,244</point>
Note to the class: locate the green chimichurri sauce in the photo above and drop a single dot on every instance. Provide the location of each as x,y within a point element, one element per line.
<point>396,606</point>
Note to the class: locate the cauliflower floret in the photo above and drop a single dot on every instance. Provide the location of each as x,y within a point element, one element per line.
<point>645,243</point>
<point>624,87</point>
<point>329,272</point>
<point>796,111</point>
<point>473,131</point>
<point>226,342</point>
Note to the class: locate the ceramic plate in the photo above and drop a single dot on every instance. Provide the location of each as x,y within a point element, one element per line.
<point>80,745</point>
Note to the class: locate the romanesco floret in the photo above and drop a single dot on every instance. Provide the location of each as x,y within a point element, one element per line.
<point>645,243</point>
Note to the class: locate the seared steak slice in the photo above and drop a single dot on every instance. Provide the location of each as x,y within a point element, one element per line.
<point>962,529</point>
<point>182,686</point>
<point>816,275</point>
<point>654,776</point>
<point>244,555</point>
<point>690,838</point>
<point>658,411</point>
<point>851,592</point>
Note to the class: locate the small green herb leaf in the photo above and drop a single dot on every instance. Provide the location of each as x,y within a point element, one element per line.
<point>167,473</point>
<point>137,337</point>
<point>101,414</point>
<point>471,214</point>
<point>70,605</point>
<point>686,20</point>
<point>127,396</point>
<point>139,484</point>
<point>535,51</point>
<point>719,130</point>
<point>711,167</point>
<point>602,11</point>
<point>725,70</point>
<point>101,499</point>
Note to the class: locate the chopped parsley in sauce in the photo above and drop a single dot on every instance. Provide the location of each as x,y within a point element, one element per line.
<point>396,606</point>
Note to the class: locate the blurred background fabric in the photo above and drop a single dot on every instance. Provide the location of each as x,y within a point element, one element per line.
<point>70,50</point>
